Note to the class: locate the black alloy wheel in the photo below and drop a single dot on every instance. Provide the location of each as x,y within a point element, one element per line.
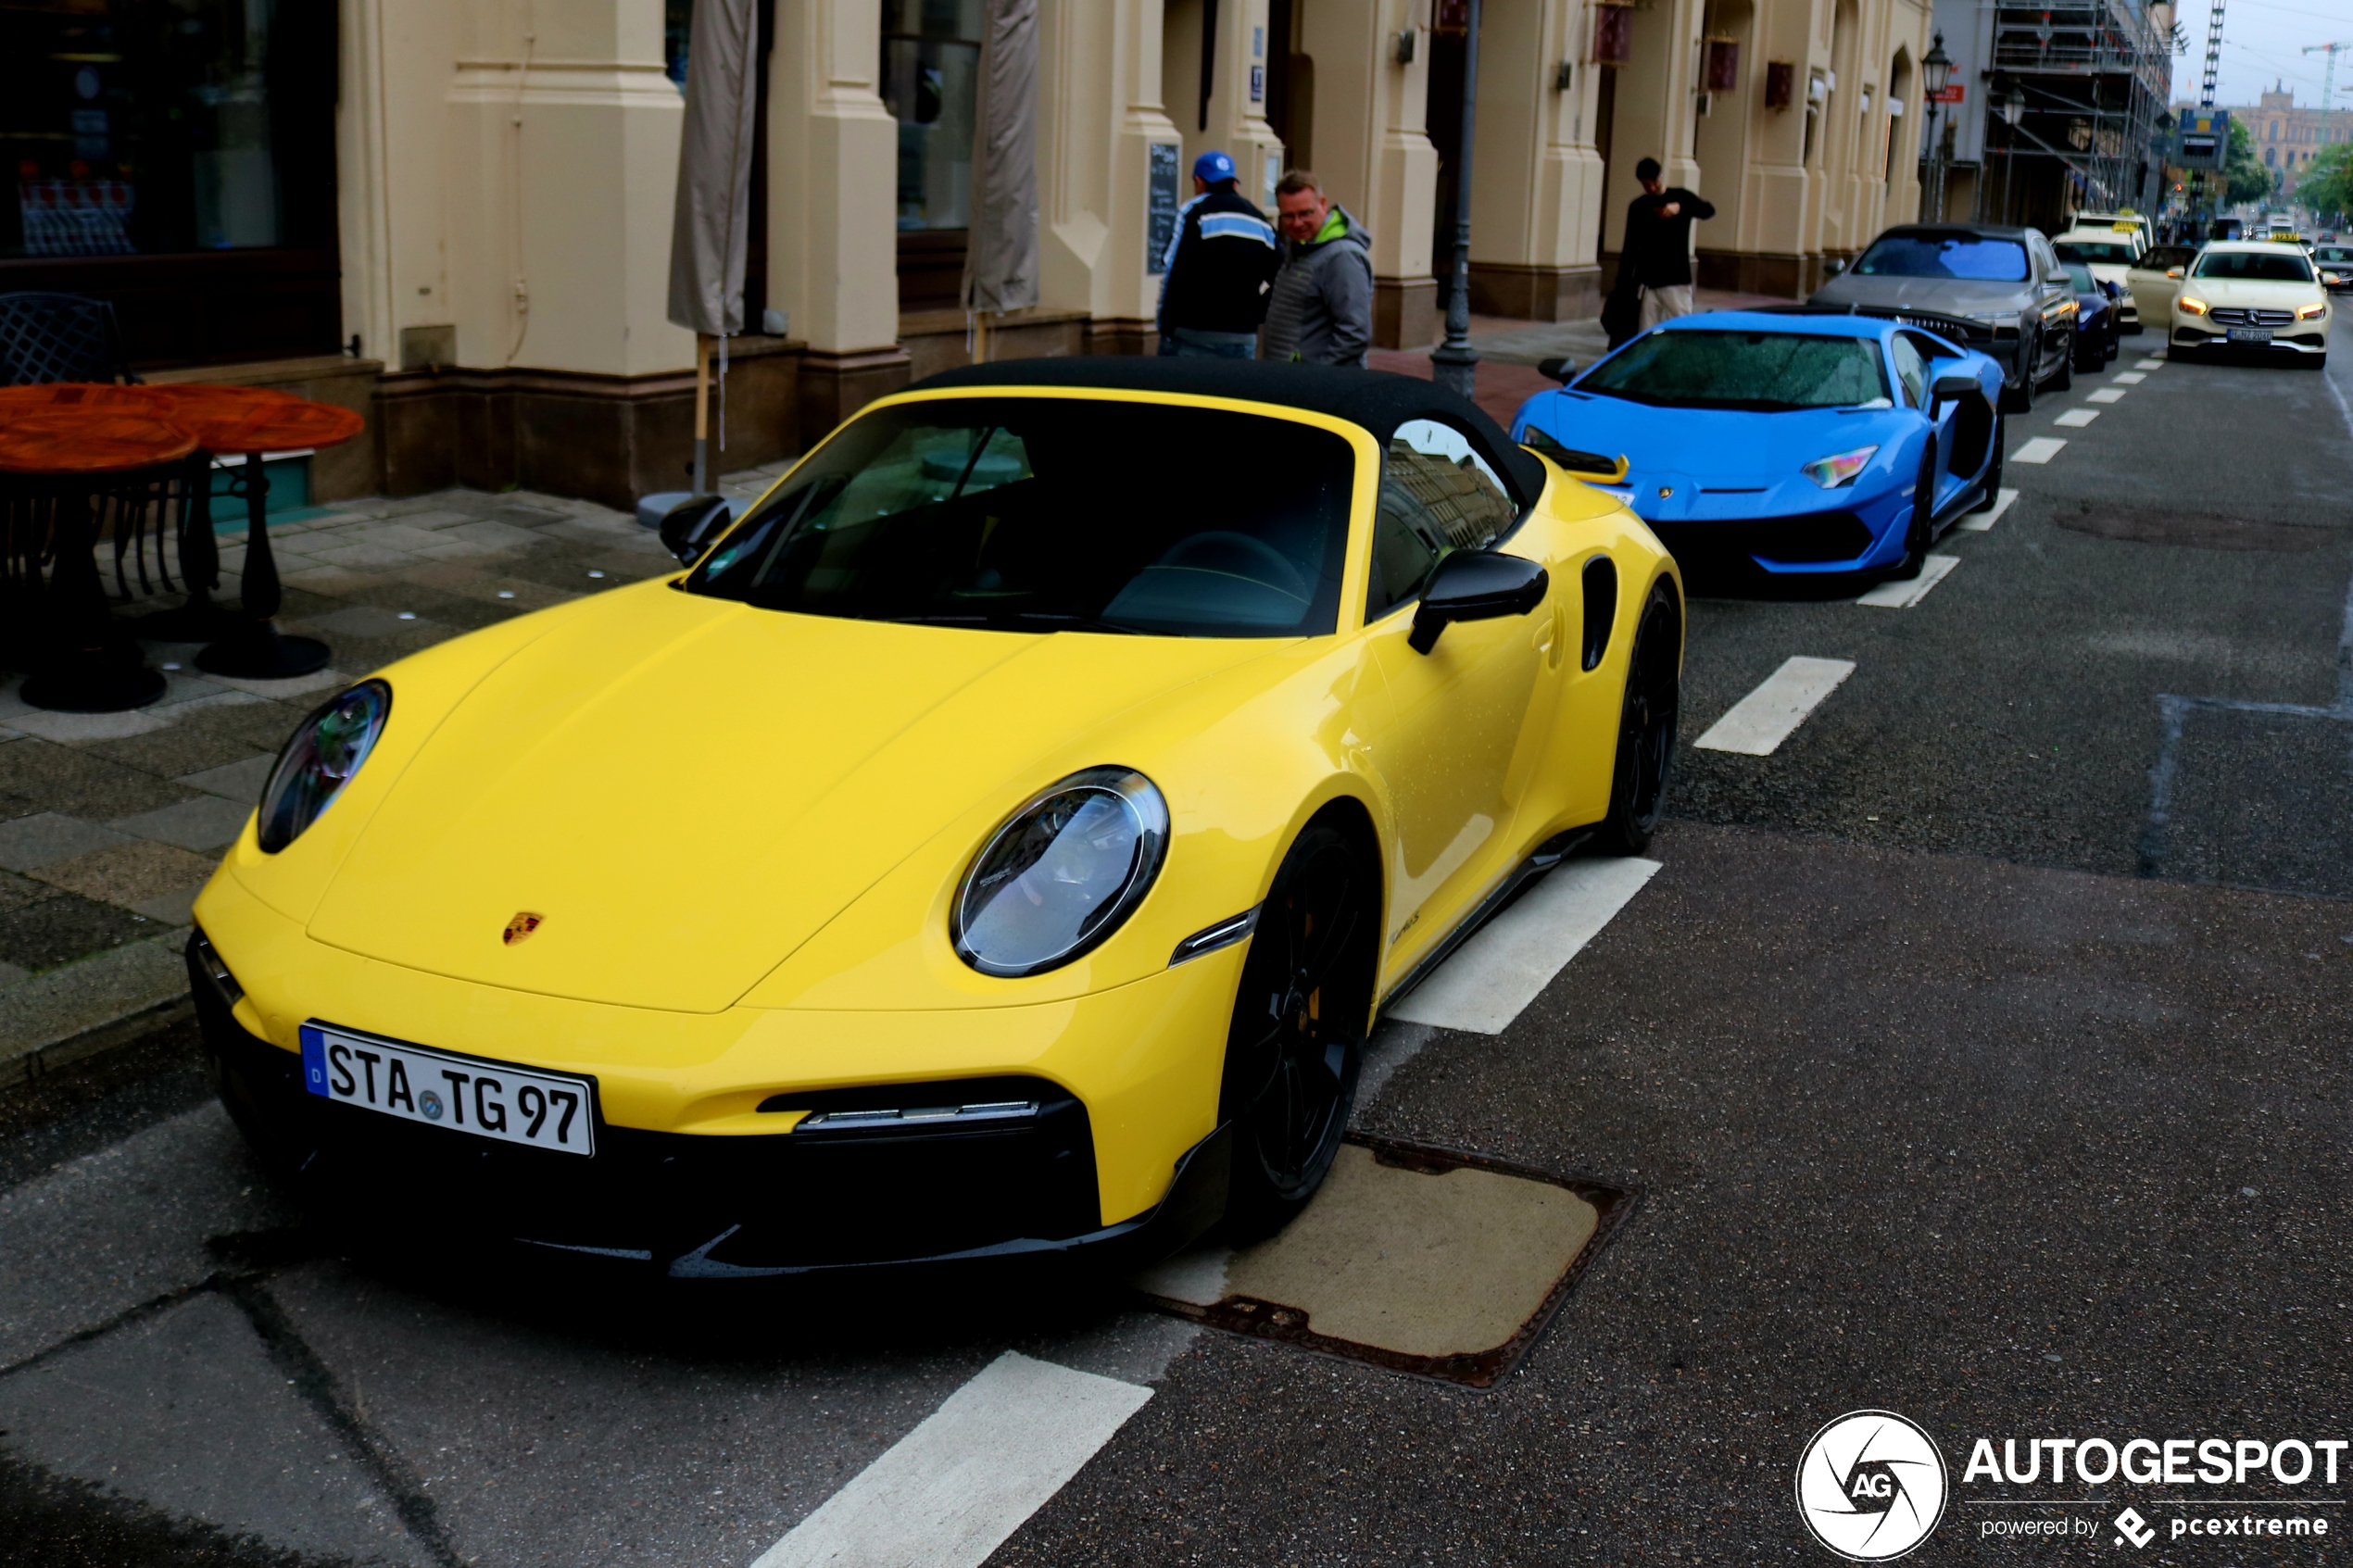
<point>1920,532</point>
<point>2019,399</point>
<point>1646,728</point>
<point>1296,1040</point>
<point>1991,483</point>
<point>2065,379</point>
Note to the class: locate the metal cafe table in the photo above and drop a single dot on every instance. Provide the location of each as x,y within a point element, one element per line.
<point>244,421</point>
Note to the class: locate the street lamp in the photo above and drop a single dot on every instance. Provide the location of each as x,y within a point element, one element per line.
<point>2013,105</point>
<point>1454,363</point>
<point>1935,71</point>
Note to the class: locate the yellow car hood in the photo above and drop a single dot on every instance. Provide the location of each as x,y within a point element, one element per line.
<point>685,789</point>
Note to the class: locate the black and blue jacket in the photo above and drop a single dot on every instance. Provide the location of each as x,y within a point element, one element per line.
<point>1220,265</point>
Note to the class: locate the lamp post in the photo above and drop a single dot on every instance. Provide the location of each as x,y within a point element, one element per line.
<point>1936,69</point>
<point>2013,106</point>
<point>1454,363</point>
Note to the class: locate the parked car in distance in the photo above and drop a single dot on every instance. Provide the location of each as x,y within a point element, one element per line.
<point>2336,262</point>
<point>2132,224</point>
<point>2006,284</point>
<point>2252,295</point>
<point>2097,327</point>
<point>2109,255</point>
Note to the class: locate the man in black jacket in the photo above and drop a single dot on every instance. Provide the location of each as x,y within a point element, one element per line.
<point>1657,250</point>
<point>1212,288</point>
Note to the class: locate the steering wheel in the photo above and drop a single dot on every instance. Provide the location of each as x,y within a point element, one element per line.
<point>1264,563</point>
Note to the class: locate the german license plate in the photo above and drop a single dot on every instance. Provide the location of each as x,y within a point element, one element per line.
<point>2250,335</point>
<point>490,1100</point>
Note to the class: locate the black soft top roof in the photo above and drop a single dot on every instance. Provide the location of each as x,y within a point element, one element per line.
<point>1374,399</point>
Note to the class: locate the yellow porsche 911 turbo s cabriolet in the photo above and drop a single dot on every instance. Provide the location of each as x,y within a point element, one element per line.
<point>999,840</point>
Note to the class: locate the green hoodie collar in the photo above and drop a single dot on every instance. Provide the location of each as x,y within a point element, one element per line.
<point>1334,225</point>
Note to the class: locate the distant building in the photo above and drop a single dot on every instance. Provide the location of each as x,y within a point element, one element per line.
<point>2286,137</point>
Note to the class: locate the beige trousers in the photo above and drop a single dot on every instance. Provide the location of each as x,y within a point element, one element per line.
<point>1664,305</point>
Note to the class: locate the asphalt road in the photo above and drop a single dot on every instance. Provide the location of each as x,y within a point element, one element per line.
<point>1976,1055</point>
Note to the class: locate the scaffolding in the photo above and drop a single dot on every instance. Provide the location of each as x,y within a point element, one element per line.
<point>2073,109</point>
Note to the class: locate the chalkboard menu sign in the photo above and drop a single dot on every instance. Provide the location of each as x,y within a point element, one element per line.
<point>1160,207</point>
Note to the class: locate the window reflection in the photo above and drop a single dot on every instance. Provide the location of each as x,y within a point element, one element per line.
<point>931,78</point>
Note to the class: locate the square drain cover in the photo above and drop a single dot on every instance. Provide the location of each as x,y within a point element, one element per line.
<point>1420,1259</point>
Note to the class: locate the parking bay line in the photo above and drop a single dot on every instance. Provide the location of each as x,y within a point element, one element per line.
<point>2042,449</point>
<point>2129,378</point>
<point>2107,394</point>
<point>955,1488</point>
<point>2148,364</point>
<point>1982,523</point>
<point>1501,970</point>
<point>2076,419</point>
<point>1768,716</point>
<point>1903,593</point>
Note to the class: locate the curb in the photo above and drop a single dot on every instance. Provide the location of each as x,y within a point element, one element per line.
<point>99,1004</point>
<point>113,1036</point>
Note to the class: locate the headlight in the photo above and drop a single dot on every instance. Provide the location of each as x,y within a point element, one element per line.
<point>319,759</point>
<point>2191,307</point>
<point>1834,473</point>
<point>2312,312</point>
<point>1062,873</point>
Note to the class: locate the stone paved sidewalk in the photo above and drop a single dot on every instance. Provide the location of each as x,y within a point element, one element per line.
<point>109,824</point>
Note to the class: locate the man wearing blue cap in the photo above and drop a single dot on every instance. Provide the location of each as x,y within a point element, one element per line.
<point>1213,282</point>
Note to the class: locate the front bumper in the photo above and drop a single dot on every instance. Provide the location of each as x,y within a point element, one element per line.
<point>2312,339</point>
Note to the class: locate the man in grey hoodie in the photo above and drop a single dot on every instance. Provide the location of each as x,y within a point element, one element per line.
<point>1321,310</point>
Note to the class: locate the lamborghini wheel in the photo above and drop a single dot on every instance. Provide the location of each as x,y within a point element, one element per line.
<point>1646,730</point>
<point>1296,1040</point>
<point>1920,532</point>
<point>1992,482</point>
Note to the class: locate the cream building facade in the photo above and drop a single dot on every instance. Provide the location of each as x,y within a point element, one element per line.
<point>504,172</point>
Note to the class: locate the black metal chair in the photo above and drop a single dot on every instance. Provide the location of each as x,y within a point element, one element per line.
<point>56,337</point>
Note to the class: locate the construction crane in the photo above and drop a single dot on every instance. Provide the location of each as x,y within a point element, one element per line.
<point>2213,55</point>
<point>2328,83</point>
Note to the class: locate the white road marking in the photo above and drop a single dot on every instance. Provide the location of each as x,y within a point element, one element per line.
<point>2128,378</point>
<point>1982,523</point>
<point>1898,594</point>
<point>2148,364</point>
<point>2076,419</point>
<point>950,1492</point>
<point>1499,972</point>
<point>2107,394</point>
<point>1766,717</point>
<point>2042,449</point>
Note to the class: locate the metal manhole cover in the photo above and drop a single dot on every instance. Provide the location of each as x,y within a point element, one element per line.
<point>1420,1259</point>
<point>2198,531</point>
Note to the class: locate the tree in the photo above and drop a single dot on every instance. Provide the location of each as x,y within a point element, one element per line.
<point>2249,180</point>
<point>2327,185</point>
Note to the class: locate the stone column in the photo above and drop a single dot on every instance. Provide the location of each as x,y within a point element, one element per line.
<point>1371,152</point>
<point>833,162</point>
<point>1536,182</point>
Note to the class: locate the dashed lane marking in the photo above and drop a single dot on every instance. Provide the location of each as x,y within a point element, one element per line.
<point>1768,716</point>
<point>2076,419</point>
<point>1982,523</point>
<point>1900,594</point>
<point>2042,449</point>
<point>1500,971</point>
<point>949,1493</point>
<point>2107,394</point>
<point>2148,364</point>
<point>2128,378</point>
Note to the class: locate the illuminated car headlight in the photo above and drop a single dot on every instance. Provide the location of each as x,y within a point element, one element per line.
<point>2312,312</point>
<point>320,759</point>
<point>1836,473</point>
<point>2189,307</point>
<point>1062,873</point>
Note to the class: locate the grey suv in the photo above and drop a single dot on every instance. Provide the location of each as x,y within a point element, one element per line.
<point>2001,290</point>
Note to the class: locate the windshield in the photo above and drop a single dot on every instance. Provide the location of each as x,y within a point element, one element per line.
<point>2080,276</point>
<point>1767,373</point>
<point>1964,257</point>
<point>2255,266</point>
<point>1045,514</point>
<point>2100,251</point>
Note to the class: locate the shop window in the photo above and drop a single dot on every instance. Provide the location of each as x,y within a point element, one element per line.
<point>931,81</point>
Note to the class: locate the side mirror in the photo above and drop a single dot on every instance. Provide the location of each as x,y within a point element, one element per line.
<point>688,528</point>
<point>1560,368</point>
<point>1952,389</point>
<point>1834,267</point>
<point>2172,271</point>
<point>1475,585</point>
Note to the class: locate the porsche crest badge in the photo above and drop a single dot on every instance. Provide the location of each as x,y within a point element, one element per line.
<point>522,925</point>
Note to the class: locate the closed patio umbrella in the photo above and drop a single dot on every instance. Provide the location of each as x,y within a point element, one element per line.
<point>1000,258</point>
<point>708,229</point>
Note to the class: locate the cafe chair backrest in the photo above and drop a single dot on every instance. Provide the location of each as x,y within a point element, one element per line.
<point>59,337</point>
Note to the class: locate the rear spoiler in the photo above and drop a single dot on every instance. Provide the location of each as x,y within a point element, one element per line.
<point>1591,466</point>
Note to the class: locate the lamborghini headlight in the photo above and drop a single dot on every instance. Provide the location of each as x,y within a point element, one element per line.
<point>1836,473</point>
<point>1062,873</point>
<point>319,759</point>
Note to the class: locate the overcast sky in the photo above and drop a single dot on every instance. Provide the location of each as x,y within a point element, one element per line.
<point>2262,43</point>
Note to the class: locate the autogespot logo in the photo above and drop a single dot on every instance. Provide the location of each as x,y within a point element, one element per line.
<point>1870,1486</point>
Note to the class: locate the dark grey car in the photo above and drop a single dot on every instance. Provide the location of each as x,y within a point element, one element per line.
<point>2004,288</point>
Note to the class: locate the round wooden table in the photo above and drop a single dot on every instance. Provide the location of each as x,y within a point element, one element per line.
<point>58,460</point>
<point>249,422</point>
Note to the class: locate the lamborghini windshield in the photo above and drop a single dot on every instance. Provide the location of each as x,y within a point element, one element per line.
<point>1763,372</point>
<point>1045,514</point>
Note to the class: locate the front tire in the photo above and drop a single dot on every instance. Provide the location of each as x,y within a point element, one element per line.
<point>1646,727</point>
<point>2065,380</point>
<point>1920,532</point>
<point>1296,1044</point>
<point>1992,482</point>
